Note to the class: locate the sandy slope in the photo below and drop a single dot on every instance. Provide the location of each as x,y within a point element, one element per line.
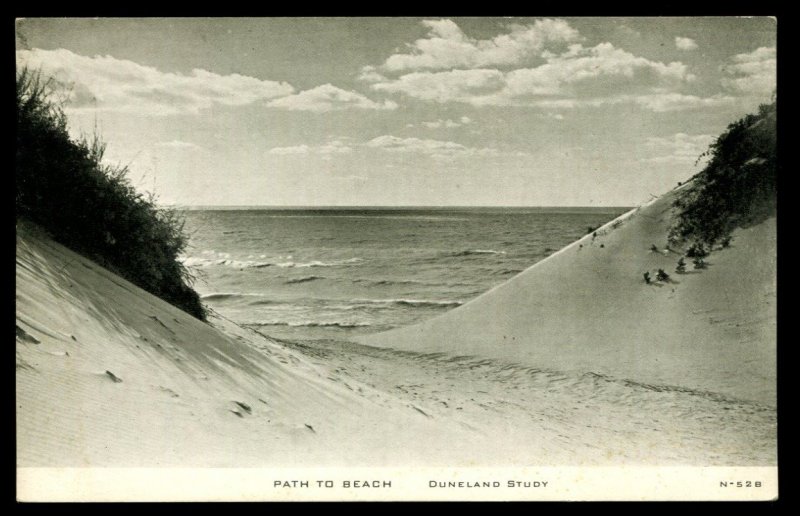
<point>587,309</point>
<point>110,375</point>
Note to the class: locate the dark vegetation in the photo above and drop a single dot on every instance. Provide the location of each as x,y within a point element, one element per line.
<point>63,186</point>
<point>699,263</point>
<point>737,188</point>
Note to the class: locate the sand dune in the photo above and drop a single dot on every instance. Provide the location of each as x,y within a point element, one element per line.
<point>587,309</point>
<point>109,375</point>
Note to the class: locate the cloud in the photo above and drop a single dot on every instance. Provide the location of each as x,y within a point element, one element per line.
<point>370,74</point>
<point>663,102</point>
<point>552,116</point>
<point>447,66</point>
<point>685,44</point>
<point>178,144</point>
<point>328,98</point>
<point>680,148</point>
<point>436,124</point>
<point>436,149</point>
<point>454,85</point>
<point>446,47</point>
<point>327,149</point>
<point>110,84</point>
<point>579,76</point>
<point>334,147</point>
<point>752,73</point>
<point>295,149</point>
<point>599,69</point>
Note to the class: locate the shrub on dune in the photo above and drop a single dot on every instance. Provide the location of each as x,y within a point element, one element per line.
<point>738,186</point>
<point>63,186</point>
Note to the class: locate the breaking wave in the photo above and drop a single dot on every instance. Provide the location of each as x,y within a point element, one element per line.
<point>304,279</point>
<point>312,324</point>
<point>198,261</point>
<point>471,252</point>
<point>410,302</point>
<point>218,296</point>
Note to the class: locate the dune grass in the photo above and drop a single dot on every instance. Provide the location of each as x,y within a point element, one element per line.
<point>737,187</point>
<point>63,186</point>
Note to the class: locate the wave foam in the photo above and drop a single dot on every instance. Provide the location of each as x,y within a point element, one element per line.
<point>471,252</point>
<point>316,263</point>
<point>410,302</point>
<point>312,324</point>
<point>200,261</point>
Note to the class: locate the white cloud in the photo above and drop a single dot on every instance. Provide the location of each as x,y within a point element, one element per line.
<point>436,124</point>
<point>663,102</point>
<point>328,98</point>
<point>685,44</point>
<point>753,73</point>
<point>370,74</point>
<point>394,143</point>
<point>602,68</point>
<point>294,149</point>
<point>448,66</point>
<point>437,149</point>
<point>579,76</point>
<point>334,147</point>
<point>107,83</point>
<point>552,116</point>
<point>454,85</point>
<point>680,148</point>
<point>327,149</point>
<point>446,46</point>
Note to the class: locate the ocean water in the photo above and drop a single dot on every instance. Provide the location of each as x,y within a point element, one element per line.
<point>300,274</point>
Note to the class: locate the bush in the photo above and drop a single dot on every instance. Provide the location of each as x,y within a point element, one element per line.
<point>92,208</point>
<point>738,186</point>
<point>696,250</point>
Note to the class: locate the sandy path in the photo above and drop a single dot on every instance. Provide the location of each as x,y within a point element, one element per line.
<point>570,419</point>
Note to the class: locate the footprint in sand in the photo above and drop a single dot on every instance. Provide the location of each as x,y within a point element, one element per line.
<point>420,411</point>
<point>169,391</point>
<point>26,337</point>
<point>113,377</point>
<point>244,406</point>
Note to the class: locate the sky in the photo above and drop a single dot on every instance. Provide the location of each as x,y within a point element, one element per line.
<point>405,111</point>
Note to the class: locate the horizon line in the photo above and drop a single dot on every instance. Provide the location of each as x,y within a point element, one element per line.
<point>377,206</point>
